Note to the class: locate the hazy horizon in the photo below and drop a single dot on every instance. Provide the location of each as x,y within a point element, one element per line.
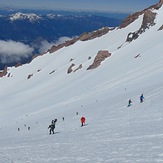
<point>89,5</point>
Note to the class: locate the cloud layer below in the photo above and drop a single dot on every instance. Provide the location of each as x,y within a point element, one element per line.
<point>13,51</point>
<point>45,45</point>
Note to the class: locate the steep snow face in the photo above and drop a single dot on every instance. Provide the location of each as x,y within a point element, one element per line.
<point>113,132</point>
<point>21,16</point>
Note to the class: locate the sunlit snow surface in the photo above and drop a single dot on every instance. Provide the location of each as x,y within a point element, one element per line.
<point>114,133</point>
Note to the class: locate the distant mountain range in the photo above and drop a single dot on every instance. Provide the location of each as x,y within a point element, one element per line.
<point>31,27</point>
<point>28,28</point>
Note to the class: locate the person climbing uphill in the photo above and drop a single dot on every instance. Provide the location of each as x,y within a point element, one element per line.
<point>82,121</point>
<point>141,98</point>
<point>52,126</point>
<point>129,102</point>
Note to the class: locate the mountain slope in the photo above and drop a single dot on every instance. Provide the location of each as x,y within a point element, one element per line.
<point>33,94</point>
<point>39,31</point>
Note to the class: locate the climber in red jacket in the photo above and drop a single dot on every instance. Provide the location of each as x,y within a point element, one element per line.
<point>82,121</point>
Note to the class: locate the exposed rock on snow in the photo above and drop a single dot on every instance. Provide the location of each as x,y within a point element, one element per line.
<point>92,35</point>
<point>70,68</point>
<point>161,28</point>
<point>101,56</point>
<point>57,47</point>
<point>83,37</point>
<point>158,5</point>
<point>3,72</point>
<point>29,76</point>
<point>80,66</point>
<point>148,20</point>
<point>134,16</point>
<point>18,64</point>
<point>137,56</point>
<point>130,19</point>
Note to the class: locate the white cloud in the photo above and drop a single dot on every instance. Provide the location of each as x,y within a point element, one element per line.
<point>45,45</point>
<point>13,51</point>
<point>62,40</point>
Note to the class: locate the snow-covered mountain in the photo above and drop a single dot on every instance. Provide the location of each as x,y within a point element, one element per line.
<point>94,75</point>
<point>21,16</point>
<point>39,30</point>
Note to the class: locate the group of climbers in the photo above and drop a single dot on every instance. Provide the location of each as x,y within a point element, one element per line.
<point>82,119</point>
<point>141,98</point>
<point>53,123</point>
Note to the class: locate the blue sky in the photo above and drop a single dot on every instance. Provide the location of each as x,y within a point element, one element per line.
<point>107,5</point>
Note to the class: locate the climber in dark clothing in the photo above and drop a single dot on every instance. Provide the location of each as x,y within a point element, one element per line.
<point>141,98</point>
<point>129,102</point>
<point>52,126</point>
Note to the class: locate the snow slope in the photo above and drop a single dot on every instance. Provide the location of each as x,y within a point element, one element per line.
<point>114,133</point>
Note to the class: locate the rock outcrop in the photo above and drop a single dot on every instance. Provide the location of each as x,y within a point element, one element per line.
<point>101,56</point>
<point>18,64</point>
<point>161,28</point>
<point>94,34</point>
<point>67,43</point>
<point>130,19</point>
<point>29,76</point>
<point>134,16</point>
<point>80,66</point>
<point>83,37</point>
<point>148,20</point>
<point>3,72</point>
<point>70,68</point>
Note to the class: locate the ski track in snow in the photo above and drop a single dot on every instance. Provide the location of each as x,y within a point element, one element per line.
<point>102,140</point>
<point>116,133</point>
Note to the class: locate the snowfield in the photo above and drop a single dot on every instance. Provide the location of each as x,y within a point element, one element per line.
<point>113,133</point>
